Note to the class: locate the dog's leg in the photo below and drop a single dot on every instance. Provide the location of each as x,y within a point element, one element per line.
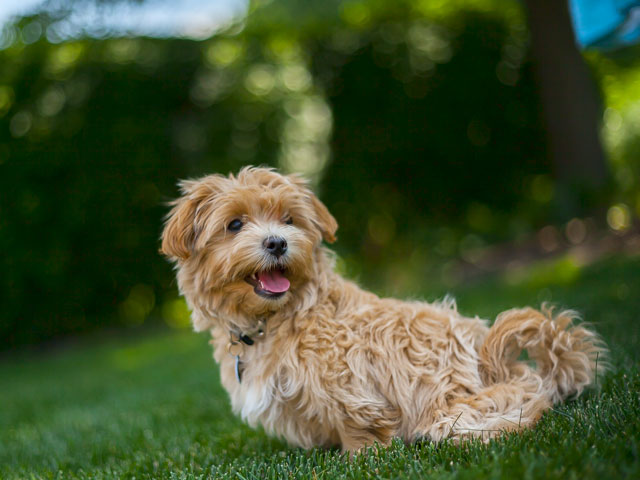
<point>355,440</point>
<point>358,433</point>
<point>566,356</point>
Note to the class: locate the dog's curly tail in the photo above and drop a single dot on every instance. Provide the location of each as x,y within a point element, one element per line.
<point>568,357</point>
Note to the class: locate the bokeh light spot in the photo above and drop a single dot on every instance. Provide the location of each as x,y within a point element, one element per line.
<point>21,124</point>
<point>63,58</point>
<point>612,119</point>
<point>260,80</point>
<point>619,217</point>
<point>31,32</point>
<point>576,231</point>
<point>430,40</point>
<point>295,78</point>
<point>283,48</point>
<point>356,14</point>
<point>137,305</point>
<point>549,238</point>
<point>123,50</point>
<point>176,314</point>
<point>224,52</point>
<point>52,101</point>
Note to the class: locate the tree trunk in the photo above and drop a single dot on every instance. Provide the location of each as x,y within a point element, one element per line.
<point>571,105</point>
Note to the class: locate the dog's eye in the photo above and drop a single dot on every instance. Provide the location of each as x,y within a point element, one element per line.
<point>289,221</point>
<point>235,225</point>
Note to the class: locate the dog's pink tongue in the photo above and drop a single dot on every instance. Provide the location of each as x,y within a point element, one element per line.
<point>274,281</point>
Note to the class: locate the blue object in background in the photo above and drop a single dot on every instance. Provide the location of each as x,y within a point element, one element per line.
<point>606,24</point>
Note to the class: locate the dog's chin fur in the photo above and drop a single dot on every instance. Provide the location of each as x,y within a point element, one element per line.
<point>337,365</point>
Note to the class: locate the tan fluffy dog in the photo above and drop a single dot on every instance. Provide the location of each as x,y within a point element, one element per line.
<point>316,360</point>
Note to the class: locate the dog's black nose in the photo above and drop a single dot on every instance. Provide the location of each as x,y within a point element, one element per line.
<point>275,245</point>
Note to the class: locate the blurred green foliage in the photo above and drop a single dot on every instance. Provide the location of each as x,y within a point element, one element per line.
<point>416,121</point>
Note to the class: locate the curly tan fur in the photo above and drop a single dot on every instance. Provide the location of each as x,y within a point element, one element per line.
<point>338,365</point>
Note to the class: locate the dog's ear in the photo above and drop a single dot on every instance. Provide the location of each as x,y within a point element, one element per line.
<point>181,228</point>
<point>323,220</point>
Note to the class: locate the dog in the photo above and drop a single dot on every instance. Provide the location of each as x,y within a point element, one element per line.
<point>318,361</point>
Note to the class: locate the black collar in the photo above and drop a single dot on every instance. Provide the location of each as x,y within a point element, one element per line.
<point>247,340</point>
<point>246,337</point>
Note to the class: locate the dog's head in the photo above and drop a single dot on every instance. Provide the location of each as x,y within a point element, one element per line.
<point>245,245</point>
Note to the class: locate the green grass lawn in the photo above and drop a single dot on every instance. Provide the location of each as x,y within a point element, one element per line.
<point>152,406</point>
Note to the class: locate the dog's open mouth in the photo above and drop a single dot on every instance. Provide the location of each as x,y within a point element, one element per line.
<point>269,283</point>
